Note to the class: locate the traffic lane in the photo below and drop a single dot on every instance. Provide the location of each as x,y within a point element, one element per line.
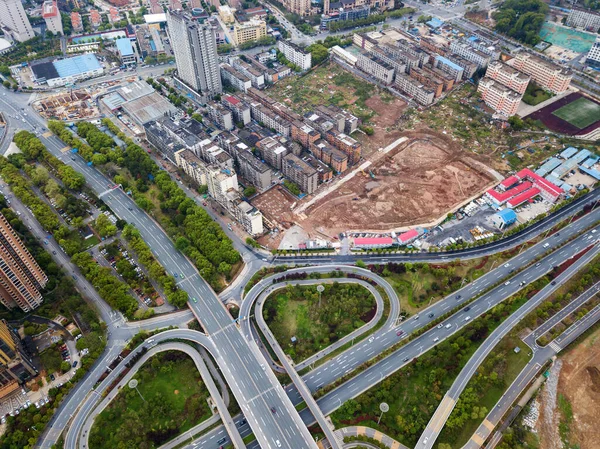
<point>400,357</point>
<point>440,416</point>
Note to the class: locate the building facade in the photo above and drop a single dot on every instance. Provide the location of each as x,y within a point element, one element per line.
<point>582,18</point>
<point>462,48</point>
<point>546,74</point>
<point>510,77</point>
<point>500,98</point>
<point>51,16</point>
<point>14,20</point>
<point>593,57</point>
<point>301,173</point>
<point>249,31</point>
<point>235,78</point>
<point>376,67</point>
<point>21,278</point>
<point>295,54</point>
<point>414,89</point>
<point>195,48</point>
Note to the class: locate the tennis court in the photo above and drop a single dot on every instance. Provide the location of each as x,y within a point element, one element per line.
<point>580,113</point>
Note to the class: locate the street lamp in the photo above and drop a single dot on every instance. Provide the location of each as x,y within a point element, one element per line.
<point>133,383</point>
<point>384,407</point>
<point>320,289</point>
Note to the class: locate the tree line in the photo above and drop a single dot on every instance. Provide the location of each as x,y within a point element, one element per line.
<point>521,19</point>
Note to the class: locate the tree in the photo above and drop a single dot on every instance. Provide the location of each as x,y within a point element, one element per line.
<point>318,52</point>
<point>104,226</point>
<point>249,191</point>
<point>516,122</point>
<point>65,366</point>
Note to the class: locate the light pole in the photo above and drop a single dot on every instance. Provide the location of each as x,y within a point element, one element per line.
<point>320,289</point>
<point>133,383</point>
<point>384,407</point>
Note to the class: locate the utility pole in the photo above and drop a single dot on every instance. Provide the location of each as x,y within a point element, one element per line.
<point>384,407</point>
<point>320,289</point>
<point>133,383</point>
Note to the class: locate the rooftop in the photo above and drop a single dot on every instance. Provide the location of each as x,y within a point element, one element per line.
<point>124,46</point>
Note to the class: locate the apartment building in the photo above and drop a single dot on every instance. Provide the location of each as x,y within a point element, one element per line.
<point>449,67</point>
<point>195,48</point>
<point>413,88</point>
<point>76,22</point>
<point>252,169</point>
<point>447,79</point>
<point>170,136</point>
<point>272,151</point>
<point>500,98</point>
<point>462,48</point>
<point>344,121</point>
<point>270,119</point>
<point>433,46</point>
<point>21,278</point>
<point>51,16</point>
<point>301,173</point>
<point>432,82</point>
<point>584,18</point>
<point>510,77</point>
<point>192,165</point>
<point>235,78</point>
<point>376,67</point>
<point>95,18</point>
<point>364,41</point>
<point>220,115</point>
<point>547,75</point>
<point>295,54</point>
<point>249,217</point>
<point>345,144</point>
<point>324,172</point>
<point>469,67</point>
<point>304,133</point>
<point>16,365</point>
<point>412,49</point>
<point>301,7</point>
<point>274,105</point>
<point>249,31</point>
<point>257,77</point>
<point>226,14</point>
<point>14,20</point>
<point>593,57</point>
<point>344,13</point>
<point>212,153</point>
<point>398,65</point>
<point>335,158</point>
<point>397,53</point>
<point>239,108</point>
<point>485,45</point>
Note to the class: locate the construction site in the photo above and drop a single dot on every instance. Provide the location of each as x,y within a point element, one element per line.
<point>73,105</point>
<point>417,179</point>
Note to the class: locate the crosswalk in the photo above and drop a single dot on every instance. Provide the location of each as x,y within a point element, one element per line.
<point>554,346</point>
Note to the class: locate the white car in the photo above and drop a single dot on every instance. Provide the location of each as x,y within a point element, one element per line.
<point>467,318</point>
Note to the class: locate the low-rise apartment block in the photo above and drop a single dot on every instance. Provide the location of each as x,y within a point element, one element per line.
<point>344,143</point>
<point>324,172</point>
<point>593,57</point>
<point>272,151</point>
<point>301,173</point>
<point>235,78</point>
<point>344,121</point>
<point>220,115</point>
<point>170,136</point>
<point>432,46</point>
<point>295,54</point>
<point>330,155</point>
<point>192,165</point>
<point>428,79</point>
<point>376,67</point>
<point>398,65</point>
<point>270,119</point>
<point>584,18</point>
<point>239,108</point>
<point>510,77</point>
<point>451,68</point>
<point>253,170</point>
<point>76,22</point>
<point>304,133</point>
<point>412,49</point>
<point>251,30</point>
<point>226,14</point>
<point>547,75</point>
<point>413,88</point>
<point>257,78</point>
<point>500,98</point>
<point>462,48</point>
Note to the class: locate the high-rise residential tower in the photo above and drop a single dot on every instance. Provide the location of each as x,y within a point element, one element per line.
<point>16,366</point>
<point>195,47</point>
<point>21,278</point>
<point>15,21</point>
<point>51,15</point>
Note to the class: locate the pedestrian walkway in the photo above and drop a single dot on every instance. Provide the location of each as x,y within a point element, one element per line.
<point>354,431</point>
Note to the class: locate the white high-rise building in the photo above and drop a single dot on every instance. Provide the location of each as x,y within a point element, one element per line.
<point>593,57</point>
<point>14,21</point>
<point>195,47</point>
<point>51,15</point>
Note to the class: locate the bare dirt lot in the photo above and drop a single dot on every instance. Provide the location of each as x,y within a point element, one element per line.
<point>579,383</point>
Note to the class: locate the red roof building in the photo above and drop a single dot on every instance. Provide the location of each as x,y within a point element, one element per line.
<point>373,242</point>
<point>525,196</point>
<point>232,100</point>
<point>76,21</point>
<point>95,18</point>
<point>508,182</point>
<point>408,236</point>
<point>548,190</point>
<point>501,197</point>
<point>113,15</point>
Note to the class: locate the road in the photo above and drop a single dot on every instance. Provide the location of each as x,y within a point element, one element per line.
<point>345,363</point>
<point>534,367</point>
<point>257,391</point>
<point>442,413</point>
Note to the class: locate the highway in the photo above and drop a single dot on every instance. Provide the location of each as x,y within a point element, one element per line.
<point>346,362</point>
<point>533,368</point>
<point>442,413</point>
<point>257,390</point>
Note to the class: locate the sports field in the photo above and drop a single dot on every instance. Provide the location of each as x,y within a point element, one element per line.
<point>580,113</point>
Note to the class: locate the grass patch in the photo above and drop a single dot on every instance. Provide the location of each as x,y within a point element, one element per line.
<point>175,400</point>
<point>580,113</point>
<point>295,312</point>
<point>92,241</point>
<point>535,95</point>
<point>51,359</point>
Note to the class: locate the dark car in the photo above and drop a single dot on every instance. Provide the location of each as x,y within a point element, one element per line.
<point>222,440</point>
<point>430,315</point>
<point>553,283</point>
<point>405,359</point>
<point>466,309</point>
<point>458,296</point>
<point>273,410</point>
<point>400,332</point>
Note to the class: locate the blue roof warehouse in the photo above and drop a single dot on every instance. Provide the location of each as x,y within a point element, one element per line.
<point>67,71</point>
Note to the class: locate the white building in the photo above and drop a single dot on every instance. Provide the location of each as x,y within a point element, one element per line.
<point>195,47</point>
<point>497,96</point>
<point>462,48</point>
<point>586,19</point>
<point>295,54</point>
<point>14,21</point>
<point>51,15</point>
<point>593,57</point>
